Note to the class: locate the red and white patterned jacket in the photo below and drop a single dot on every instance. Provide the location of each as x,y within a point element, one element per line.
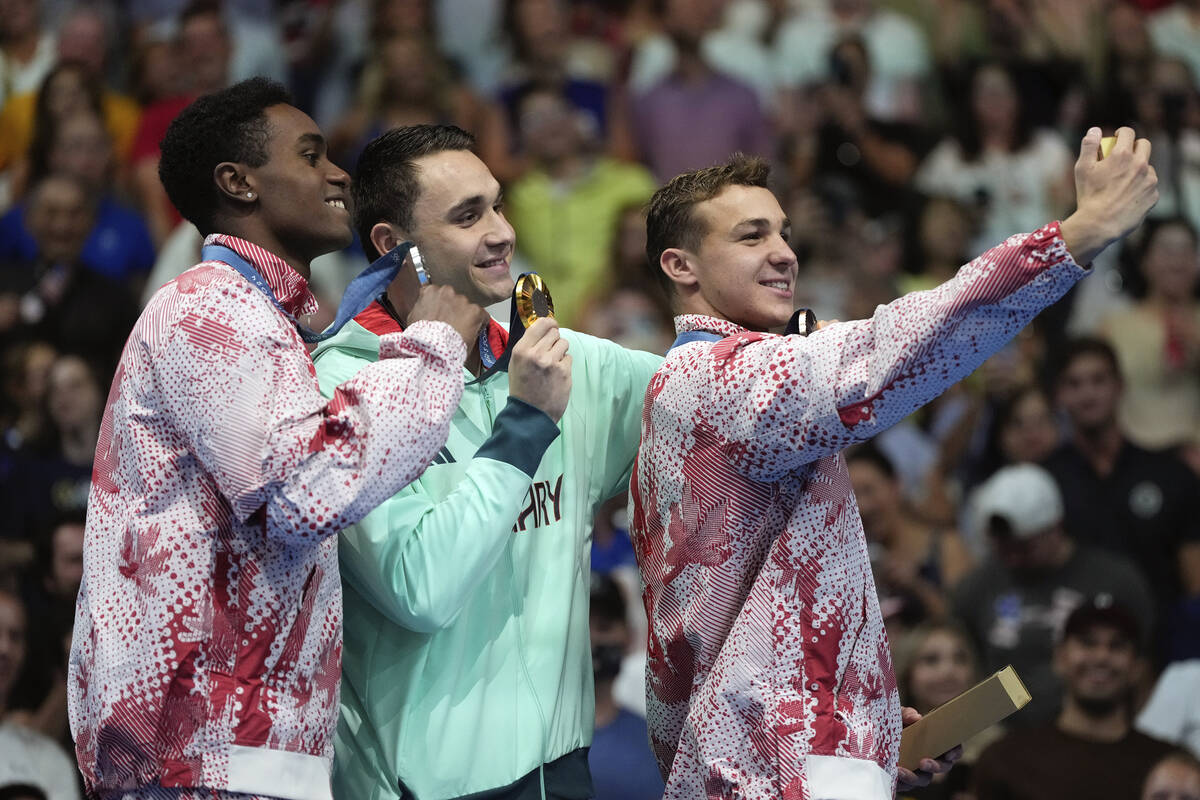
<point>208,630</point>
<point>769,672</point>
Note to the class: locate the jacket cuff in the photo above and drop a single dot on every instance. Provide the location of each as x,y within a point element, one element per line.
<point>520,436</point>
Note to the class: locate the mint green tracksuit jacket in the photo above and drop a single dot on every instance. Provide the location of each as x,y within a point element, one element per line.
<point>467,661</point>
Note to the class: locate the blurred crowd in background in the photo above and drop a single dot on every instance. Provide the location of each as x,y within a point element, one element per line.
<point>906,136</point>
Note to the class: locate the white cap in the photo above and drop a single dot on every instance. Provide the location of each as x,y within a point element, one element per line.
<point>1024,495</point>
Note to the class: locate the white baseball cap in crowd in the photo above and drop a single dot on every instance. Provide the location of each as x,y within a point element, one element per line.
<point>1023,495</point>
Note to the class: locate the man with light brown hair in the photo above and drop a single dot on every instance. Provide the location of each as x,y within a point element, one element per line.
<point>769,673</point>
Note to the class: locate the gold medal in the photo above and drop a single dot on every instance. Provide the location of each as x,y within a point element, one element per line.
<point>532,298</point>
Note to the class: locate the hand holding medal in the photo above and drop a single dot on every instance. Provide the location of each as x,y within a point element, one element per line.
<point>539,368</point>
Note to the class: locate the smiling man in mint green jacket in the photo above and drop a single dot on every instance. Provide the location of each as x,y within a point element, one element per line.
<point>467,666</point>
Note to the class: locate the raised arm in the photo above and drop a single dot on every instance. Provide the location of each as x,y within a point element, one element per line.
<point>241,390</point>
<point>420,555</point>
<point>779,402</point>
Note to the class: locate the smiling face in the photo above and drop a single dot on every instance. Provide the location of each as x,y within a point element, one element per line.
<point>59,217</point>
<point>1097,667</point>
<point>1089,390</point>
<point>941,669</point>
<point>459,225</point>
<point>744,270</point>
<point>1029,433</point>
<point>300,194</point>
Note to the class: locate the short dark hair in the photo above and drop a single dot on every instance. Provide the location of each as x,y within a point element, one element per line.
<point>670,221</point>
<point>1103,611</point>
<point>229,125</point>
<point>44,546</point>
<point>607,602</point>
<point>1087,346</point>
<point>385,184</point>
<point>201,8</point>
<point>21,791</point>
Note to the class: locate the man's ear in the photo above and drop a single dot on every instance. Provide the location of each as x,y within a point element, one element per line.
<point>385,236</point>
<point>678,266</point>
<point>234,183</point>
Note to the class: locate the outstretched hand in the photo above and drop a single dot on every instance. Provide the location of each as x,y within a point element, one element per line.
<point>1114,193</point>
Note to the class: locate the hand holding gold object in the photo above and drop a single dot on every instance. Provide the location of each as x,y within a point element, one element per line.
<point>1106,145</point>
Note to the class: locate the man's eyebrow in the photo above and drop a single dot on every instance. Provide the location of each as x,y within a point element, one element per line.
<point>311,140</point>
<point>465,204</point>
<point>757,222</point>
<point>760,223</point>
<point>473,202</point>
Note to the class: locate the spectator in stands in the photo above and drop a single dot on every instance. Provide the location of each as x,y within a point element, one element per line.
<point>565,207</point>
<point>1167,109</point>
<point>1173,711</point>
<point>26,756</point>
<point>27,50</point>
<point>54,476</point>
<point>935,663</point>
<point>49,595</point>
<point>205,51</point>
<point>872,158</point>
<point>944,232</point>
<point>70,87</point>
<point>1175,777</point>
<point>735,46</point>
<point>1157,341</point>
<point>26,365</point>
<point>914,562</point>
<point>1015,602</point>
<point>1024,429</point>
<point>1143,505</point>
<point>630,309</point>
<point>546,55</point>
<point>622,766</point>
<point>1128,54</point>
<point>1091,748</point>
<point>118,245</point>
<point>1013,174</point>
<point>64,303</point>
<point>410,83</point>
<point>695,116</point>
<point>1175,32</point>
<point>895,47</point>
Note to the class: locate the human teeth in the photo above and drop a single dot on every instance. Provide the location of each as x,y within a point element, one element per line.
<point>776,284</point>
<point>337,203</point>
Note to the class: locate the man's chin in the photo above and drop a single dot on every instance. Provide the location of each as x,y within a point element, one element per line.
<point>496,294</point>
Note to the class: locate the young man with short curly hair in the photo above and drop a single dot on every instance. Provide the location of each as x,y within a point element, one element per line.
<point>207,643</point>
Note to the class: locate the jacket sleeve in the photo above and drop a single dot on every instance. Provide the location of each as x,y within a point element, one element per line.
<point>609,394</point>
<point>418,558</point>
<point>240,387</point>
<point>778,402</point>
